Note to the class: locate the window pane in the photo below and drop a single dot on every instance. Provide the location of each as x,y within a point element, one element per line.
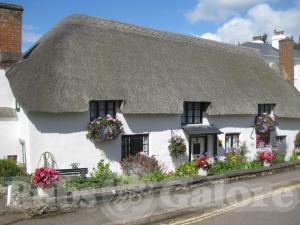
<point>197,113</point>
<point>93,110</point>
<point>110,105</point>
<point>102,113</point>
<point>190,120</point>
<point>227,142</point>
<point>235,141</point>
<point>196,148</point>
<point>197,120</point>
<point>189,106</point>
<point>190,113</point>
<point>101,105</point>
<point>197,105</point>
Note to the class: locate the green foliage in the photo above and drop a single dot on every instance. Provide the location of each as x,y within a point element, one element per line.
<point>9,168</point>
<point>126,179</point>
<point>279,157</point>
<point>155,176</point>
<point>254,164</point>
<point>102,176</point>
<point>218,167</point>
<point>186,169</point>
<point>297,140</point>
<point>294,156</point>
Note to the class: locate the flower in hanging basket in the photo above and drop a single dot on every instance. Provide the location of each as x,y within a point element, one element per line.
<point>104,128</point>
<point>45,177</point>
<point>265,123</point>
<point>177,146</point>
<point>266,156</point>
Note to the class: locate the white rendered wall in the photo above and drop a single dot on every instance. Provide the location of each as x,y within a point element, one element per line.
<point>64,136</point>
<point>6,96</point>
<point>9,130</point>
<point>297,76</point>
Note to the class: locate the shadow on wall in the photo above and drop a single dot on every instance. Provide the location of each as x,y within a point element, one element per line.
<point>152,123</point>
<point>111,149</point>
<point>288,124</point>
<point>61,123</point>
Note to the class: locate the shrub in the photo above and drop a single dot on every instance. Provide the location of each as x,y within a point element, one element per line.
<point>186,169</point>
<point>155,176</point>
<point>297,139</point>
<point>102,176</point>
<point>45,177</point>
<point>177,146</point>
<point>294,156</point>
<point>9,168</point>
<point>279,157</point>
<point>218,167</point>
<point>254,164</point>
<point>140,164</point>
<point>234,161</point>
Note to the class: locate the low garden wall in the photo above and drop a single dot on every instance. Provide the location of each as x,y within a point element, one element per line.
<point>61,199</point>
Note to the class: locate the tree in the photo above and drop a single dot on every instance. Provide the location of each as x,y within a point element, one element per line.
<point>264,38</point>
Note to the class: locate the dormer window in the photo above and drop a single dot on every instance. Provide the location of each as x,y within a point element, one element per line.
<point>102,108</point>
<point>265,108</point>
<point>193,112</point>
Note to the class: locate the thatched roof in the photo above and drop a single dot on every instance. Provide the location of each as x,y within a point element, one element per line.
<point>87,58</point>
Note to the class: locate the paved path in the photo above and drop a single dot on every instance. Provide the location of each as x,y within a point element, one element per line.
<point>279,208</point>
<point>122,210</point>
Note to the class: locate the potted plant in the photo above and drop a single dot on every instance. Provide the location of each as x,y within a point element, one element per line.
<point>44,178</point>
<point>177,146</point>
<point>104,128</point>
<point>203,163</point>
<point>266,157</point>
<point>265,123</point>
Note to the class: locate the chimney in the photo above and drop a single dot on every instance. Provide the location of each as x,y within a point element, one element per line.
<point>277,36</point>
<point>10,34</point>
<point>286,58</point>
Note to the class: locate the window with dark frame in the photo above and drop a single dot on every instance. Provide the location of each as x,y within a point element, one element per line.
<point>265,108</point>
<point>232,141</point>
<point>134,144</point>
<point>193,112</point>
<point>102,108</point>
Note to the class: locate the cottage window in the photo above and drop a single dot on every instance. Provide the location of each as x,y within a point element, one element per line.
<point>102,108</point>
<point>231,141</point>
<point>134,144</point>
<point>193,112</point>
<point>265,108</point>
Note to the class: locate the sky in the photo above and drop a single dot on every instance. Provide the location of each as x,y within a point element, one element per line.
<point>231,21</point>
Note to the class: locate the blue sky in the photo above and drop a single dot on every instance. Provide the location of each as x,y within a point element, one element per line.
<point>222,20</point>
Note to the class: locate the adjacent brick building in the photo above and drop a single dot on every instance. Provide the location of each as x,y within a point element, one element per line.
<point>10,34</point>
<point>286,58</point>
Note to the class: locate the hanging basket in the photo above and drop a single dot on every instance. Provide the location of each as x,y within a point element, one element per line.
<point>265,123</point>
<point>104,129</point>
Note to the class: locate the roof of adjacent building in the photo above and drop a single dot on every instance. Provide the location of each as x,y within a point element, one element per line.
<point>267,49</point>
<point>87,58</point>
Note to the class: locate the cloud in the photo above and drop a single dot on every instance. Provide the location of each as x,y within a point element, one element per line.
<point>259,19</point>
<point>30,34</point>
<point>219,10</point>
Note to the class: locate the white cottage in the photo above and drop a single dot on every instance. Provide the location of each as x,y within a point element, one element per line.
<point>156,83</point>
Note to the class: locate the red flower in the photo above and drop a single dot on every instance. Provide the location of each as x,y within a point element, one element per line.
<point>45,177</point>
<point>266,156</point>
<point>202,162</point>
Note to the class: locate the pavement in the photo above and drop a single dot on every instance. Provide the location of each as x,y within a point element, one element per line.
<point>281,207</point>
<point>149,209</point>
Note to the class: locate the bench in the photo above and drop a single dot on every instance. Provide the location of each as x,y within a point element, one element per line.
<point>73,172</point>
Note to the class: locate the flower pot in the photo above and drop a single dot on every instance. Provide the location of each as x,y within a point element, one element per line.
<point>267,164</point>
<point>202,172</point>
<point>45,192</point>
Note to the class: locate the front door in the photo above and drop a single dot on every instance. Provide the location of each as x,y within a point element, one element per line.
<point>198,146</point>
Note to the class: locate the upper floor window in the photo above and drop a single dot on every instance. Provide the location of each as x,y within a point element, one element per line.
<point>193,112</point>
<point>102,108</point>
<point>134,144</point>
<point>265,108</point>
